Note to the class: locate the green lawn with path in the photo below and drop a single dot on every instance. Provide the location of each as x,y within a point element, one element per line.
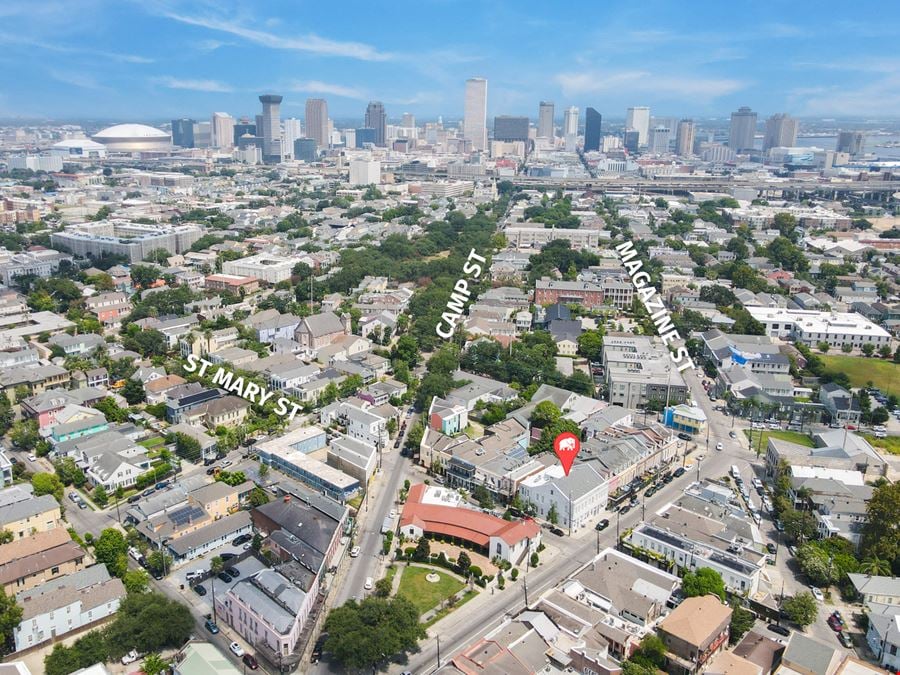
<point>891,444</point>
<point>792,436</point>
<point>884,375</point>
<point>424,594</point>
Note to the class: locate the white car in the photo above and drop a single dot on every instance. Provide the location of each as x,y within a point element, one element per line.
<point>720,446</point>
<point>369,583</point>
<point>354,551</point>
<point>393,513</point>
<point>817,594</point>
<point>130,657</point>
<point>236,649</point>
<point>32,457</point>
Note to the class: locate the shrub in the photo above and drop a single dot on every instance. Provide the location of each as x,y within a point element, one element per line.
<point>475,571</point>
<point>514,574</point>
<point>534,560</point>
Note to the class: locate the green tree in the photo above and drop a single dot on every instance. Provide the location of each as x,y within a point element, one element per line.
<point>651,654</point>
<point>881,534</point>
<point>801,609</point>
<point>111,549</point>
<point>216,565</point>
<point>463,562</point>
<point>875,567</point>
<point>154,664</point>
<point>149,622</point>
<point>483,496</point>
<point>24,435</point>
<point>423,550</point>
<point>258,497</point>
<point>742,620</point>
<point>545,414</point>
<point>363,635</point>
<point>100,497</point>
<point>552,515</point>
<point>6,536</point>
<point>868,349</point>
<point>10,617</point>
<point>799,525</point>
<point>187,447</point>
<point>383,587</point>
<point>133,391</point>
<point>703,581</point>
<point>69,472</point>
<point>159,563</point>
<point>136,581</point>
<point>47,484</point>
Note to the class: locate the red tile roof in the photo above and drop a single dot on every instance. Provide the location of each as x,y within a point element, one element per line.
<point>474,526</point>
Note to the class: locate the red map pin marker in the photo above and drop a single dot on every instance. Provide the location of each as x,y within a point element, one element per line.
<point>566,446</point>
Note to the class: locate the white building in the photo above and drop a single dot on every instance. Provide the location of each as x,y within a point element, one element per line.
<point>66,604</point>
<point>365,172</point>
<point>222,130</point>
<point>812,327</point>
<point>265,267</point>
<point>475,119</point>
<point>579,498</point>
<point>638,118</point>
<point>36,162</point>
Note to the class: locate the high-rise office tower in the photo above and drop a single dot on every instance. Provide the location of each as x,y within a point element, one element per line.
<point>592,121</point>
<point>183,132</point>
<point>638,118</point>
<point>409,121</point>
<point>853,142</point>
<point>684,138</point>
<point>631,139</point>
<point>271,123</point>
<point>291,131</point>
<point>781,132</point>
<point>743,130</point>
<point>475,117</point>
<point>365,135</point>
<point>202,134</point>
<point>570,121</point>
<point>242,127</point>
<point>305,150</point>
<point>659,140</point>
<point>510,128</point>
<point>545,119</point>
<point>222,130</point>
<point>376,119</point>
<point>317,121</point>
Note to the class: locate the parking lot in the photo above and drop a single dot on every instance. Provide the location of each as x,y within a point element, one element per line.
<point>178,578</point>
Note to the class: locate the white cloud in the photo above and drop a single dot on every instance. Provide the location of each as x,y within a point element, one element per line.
<point>881,97</point>
<point>645,82</point>
<point>10,39</point>
<point>80,80</point>
<point>317,87</point>
<point>214,86</point>
<point>306,43</point>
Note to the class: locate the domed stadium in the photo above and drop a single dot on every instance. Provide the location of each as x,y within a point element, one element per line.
<point>134,138</point>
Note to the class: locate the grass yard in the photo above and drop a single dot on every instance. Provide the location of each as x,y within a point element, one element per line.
<point>883,374</point>
<point>446,610</point>
<point>891,444</point>
<point>792,436</point>
<point>154,442</point>
<point>423,594</point>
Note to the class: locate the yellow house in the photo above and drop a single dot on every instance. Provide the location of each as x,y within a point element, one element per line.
<point>28,515</point>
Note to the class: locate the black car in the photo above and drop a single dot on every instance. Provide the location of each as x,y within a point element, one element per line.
<point>683,436</point>
<point>224,576</point>
<point>147,493</point>
<point>771,548</point>
<point>679,472</point>
<point>241,540</point>
<point>134,499</point>
<point>318,647</point>
<point>625,509</point>
<point>199,590</point>
<point>781,630</point>
<point>233,571</point>
<point>668,478</point>
<point>228,556</point>
<point>250,661</point>
<point>602,525</point>
<point>557,531</point>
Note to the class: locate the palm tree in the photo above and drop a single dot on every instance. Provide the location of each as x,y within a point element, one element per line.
<point>154,664</point>
<point>876,567</point>
<point>216,565</point>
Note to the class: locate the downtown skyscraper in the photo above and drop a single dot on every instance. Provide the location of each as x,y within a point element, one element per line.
<point>271,127</point>
<point>545,119</point>
<point>475,118</point>
<point>317,121</point>
<point>592,122</point>
<point>638,118</point>
<point>742,133</point>
<point>684,138</point>
<point>376,118</point>
<point>781,132</point>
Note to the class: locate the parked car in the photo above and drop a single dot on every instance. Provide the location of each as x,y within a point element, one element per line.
<point>720,446</point>
<point>834,624</point>
<point>199,590</point>
<point>130,657</point>
<point>732,434</point>
<point>602,525</point>
<point>771,548</point>
<point>236,649</point>
<point>557,531</point>
<point>781,630</point>
<point>369,583</point>
<point>625,509</point>
<point>147,493</point>
<point>679,472</point>
<point>211,627</point>
<point>317,648</point>
<point>250,661</point>
<point>684,436</point>
<point>32,457</point>
<point>845,640</point>
<point>817,593</point>
<point>354,552</point>
<point>241,540</point>
<point>133,499</point>
<point>224,576</point>
<point>227,556</point>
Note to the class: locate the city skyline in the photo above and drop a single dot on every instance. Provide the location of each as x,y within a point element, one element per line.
<point>190,59</point>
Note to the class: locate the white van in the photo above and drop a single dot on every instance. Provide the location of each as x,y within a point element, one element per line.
<point>735,472</point>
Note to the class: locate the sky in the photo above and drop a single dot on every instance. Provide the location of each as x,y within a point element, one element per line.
<point>144,60</point>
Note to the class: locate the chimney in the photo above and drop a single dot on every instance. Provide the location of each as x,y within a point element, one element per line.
<point>287,499</point>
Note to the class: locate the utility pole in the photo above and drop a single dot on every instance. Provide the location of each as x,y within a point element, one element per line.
<point>439,651</point>
<point>570,513</point>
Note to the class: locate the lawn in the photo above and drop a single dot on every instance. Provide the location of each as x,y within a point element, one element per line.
<point>883,374</point>
<point>423,594</point>
<point>152,442</point>
<point>446,610</point>
<point>891,444</point>
<point>792,436</point>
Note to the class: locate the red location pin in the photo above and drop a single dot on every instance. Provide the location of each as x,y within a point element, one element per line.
<point>566,446</point>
